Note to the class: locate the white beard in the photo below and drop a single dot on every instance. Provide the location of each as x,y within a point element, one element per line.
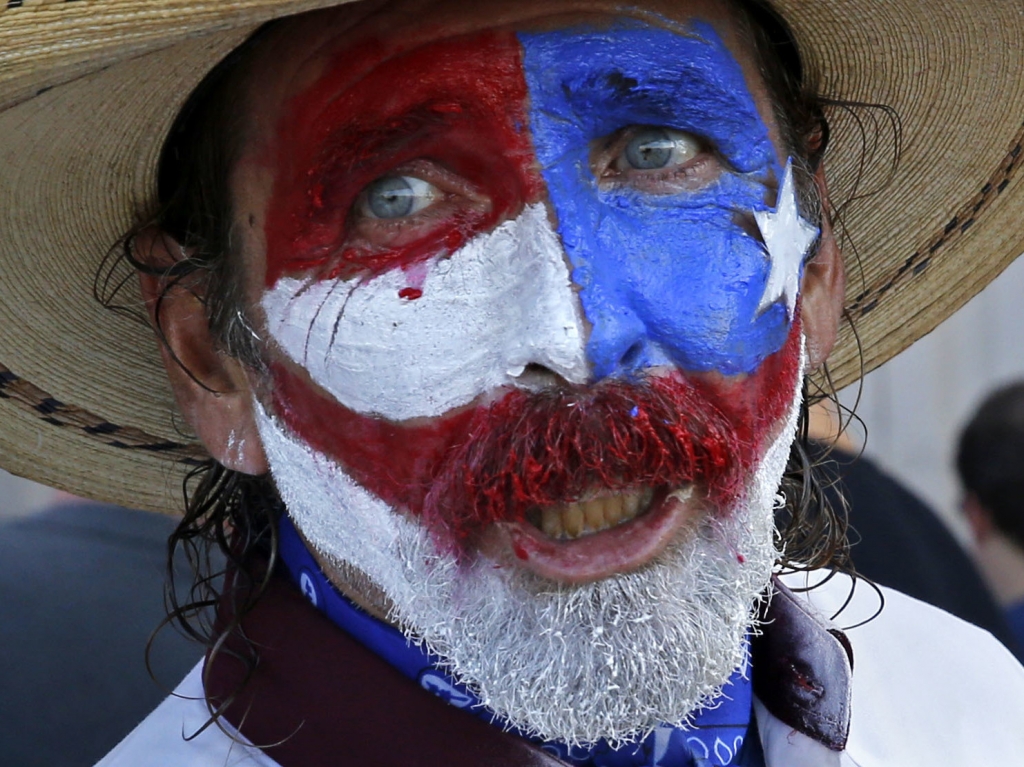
<point>574,663</point>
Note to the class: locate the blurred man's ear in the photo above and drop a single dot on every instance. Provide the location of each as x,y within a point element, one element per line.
<point>211,387</point>
<point>978,518</point>
<point>823,290</point>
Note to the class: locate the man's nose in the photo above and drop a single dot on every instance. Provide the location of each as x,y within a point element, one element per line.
<point>549,326</point>
<point>614,335</point>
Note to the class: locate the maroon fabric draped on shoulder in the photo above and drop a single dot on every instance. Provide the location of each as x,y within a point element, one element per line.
<point>318,697</point>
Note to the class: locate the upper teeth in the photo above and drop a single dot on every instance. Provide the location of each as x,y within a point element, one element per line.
<point>582,517</point>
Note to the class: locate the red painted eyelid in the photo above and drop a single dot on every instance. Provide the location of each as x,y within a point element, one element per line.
<point>457,151</point>
<point>493,189</point>
<point>371,234</point>
<point>451,188</point>
<point>350,246</point>
<point>440,240</point>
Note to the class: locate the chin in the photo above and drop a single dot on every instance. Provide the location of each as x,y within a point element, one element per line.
<point>610,658</point>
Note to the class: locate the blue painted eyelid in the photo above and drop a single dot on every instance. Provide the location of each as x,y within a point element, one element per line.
<point>739,193</point>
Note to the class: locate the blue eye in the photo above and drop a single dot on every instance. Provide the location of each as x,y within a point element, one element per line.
<point>398,196</point>
<point>657,148</point>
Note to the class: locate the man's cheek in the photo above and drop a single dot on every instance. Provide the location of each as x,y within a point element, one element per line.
<point>758,403</point>
<point>690,282</point>
<point>670,268</point>
<point>390,460</point>
<point>496,462</point>
<point>414,343</point>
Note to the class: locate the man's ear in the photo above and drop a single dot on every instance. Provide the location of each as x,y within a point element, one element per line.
<point>978,518</point>
<point>211,388</point>
<point>823,290</point>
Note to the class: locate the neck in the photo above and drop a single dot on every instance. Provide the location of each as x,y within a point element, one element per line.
<point>1002,562</point>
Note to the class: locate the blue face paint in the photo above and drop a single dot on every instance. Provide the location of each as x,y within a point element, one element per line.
<point>665,278</point>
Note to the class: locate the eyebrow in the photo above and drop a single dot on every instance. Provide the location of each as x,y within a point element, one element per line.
<point>357,145</point>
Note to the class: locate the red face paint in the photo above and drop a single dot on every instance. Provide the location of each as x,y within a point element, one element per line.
<point>520,551</point>
<point>458,103</point>
<point>496,462</point>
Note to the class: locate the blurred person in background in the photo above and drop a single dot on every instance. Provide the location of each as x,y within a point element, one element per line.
<point>896,539</point>
<point>990,462</point>
<point>80,595</point>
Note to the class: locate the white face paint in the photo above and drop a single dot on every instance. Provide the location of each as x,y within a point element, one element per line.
<point>501,302</point>
<point>610,659</point>
<point>788,238</point>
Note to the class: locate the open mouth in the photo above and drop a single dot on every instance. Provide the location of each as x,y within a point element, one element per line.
<point>569,521</point>
<point>602,534</point>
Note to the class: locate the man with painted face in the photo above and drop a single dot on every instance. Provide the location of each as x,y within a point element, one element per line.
<point>496,323</point>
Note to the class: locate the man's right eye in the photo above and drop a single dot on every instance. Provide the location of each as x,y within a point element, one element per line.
<point>413,205</point>
<point>393,197</point>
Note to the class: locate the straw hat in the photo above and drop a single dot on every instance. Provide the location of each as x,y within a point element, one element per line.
<point>88,90</point>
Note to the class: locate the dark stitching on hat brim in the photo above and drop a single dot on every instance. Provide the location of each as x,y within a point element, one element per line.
<point>52,411</point>
<point>962,221</point>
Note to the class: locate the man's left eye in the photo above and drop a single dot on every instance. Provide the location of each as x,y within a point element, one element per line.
<point>654,160</point>
<point>657,149</point>
<point>394,197</point>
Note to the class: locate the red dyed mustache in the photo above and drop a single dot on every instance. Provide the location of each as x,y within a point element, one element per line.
<point>534,449</point>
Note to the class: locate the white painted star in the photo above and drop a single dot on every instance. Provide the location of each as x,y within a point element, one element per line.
<point>787,237</point>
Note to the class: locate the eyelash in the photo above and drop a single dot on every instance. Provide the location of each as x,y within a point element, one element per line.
<point>455,209</point>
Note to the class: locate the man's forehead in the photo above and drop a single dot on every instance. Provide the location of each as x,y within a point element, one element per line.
<point>297,52</point>
<point>610,74</point>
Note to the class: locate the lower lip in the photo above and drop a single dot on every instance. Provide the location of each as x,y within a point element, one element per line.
<point>599,555</point>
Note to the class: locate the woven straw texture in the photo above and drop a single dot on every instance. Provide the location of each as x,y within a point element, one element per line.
<point>88,90</point>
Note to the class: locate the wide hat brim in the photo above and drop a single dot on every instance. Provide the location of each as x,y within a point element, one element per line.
<point>88,91</point>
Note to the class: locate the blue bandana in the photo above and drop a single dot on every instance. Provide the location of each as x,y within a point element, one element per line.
<point>715,740</point>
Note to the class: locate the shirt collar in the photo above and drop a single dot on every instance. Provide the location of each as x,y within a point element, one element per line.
<point>802,669</point>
